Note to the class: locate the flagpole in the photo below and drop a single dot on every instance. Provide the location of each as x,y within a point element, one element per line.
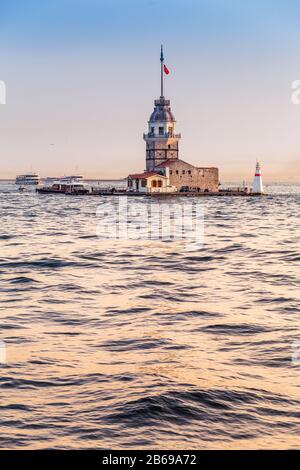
<point>162,73</point>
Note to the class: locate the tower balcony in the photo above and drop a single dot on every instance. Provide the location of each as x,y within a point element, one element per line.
<point>162,102</point>
<point>165,135</point>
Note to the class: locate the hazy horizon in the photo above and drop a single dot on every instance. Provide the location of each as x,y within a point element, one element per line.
<point>82,76</point>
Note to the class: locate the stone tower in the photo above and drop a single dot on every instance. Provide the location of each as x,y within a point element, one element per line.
<point>161,140</point>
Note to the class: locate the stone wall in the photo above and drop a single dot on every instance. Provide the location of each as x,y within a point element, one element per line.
<point>159,151</point>
<point>203,179</point>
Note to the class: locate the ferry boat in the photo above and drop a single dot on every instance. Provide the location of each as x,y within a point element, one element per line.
<point>66,185</point>
<point>72,179</point>
<point>27,181</point>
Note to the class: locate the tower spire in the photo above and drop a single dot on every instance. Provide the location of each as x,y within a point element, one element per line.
<point>162,72</point>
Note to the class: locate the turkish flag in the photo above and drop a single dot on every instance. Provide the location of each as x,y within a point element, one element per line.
<point>166,70</point>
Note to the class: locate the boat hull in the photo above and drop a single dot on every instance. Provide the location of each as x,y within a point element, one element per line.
<point>79,192</point>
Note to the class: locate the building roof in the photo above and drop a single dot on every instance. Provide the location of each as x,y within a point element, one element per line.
<point>172,161</point>
<point>147,174</point>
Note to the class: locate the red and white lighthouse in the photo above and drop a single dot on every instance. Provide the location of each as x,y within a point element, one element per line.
<point>258,187</point>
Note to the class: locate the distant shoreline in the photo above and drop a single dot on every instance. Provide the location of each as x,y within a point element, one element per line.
<point>3,180</point>
<point>95,180</point>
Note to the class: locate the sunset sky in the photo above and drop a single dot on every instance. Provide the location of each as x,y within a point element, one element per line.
<point>81,77</point>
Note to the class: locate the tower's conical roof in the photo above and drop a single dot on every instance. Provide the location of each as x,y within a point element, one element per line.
<point>162,111</point>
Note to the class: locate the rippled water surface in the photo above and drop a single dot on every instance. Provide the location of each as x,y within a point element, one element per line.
<point>144,344</point>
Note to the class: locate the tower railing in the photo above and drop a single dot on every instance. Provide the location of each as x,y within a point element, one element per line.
<point>165,135</point>
<point>162,102</point>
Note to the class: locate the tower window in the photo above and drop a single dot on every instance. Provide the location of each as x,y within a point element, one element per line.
<point>177,172</point>
<point>152,130</point>
<point>169,146</point>
<point>161,131</point>
<point>189,172</point>
<point>183,172</point>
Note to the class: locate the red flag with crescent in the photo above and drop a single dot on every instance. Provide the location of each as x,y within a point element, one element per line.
<point>166,70</point>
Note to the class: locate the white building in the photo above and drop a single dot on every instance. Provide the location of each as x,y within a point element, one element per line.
<point>148,182</point>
